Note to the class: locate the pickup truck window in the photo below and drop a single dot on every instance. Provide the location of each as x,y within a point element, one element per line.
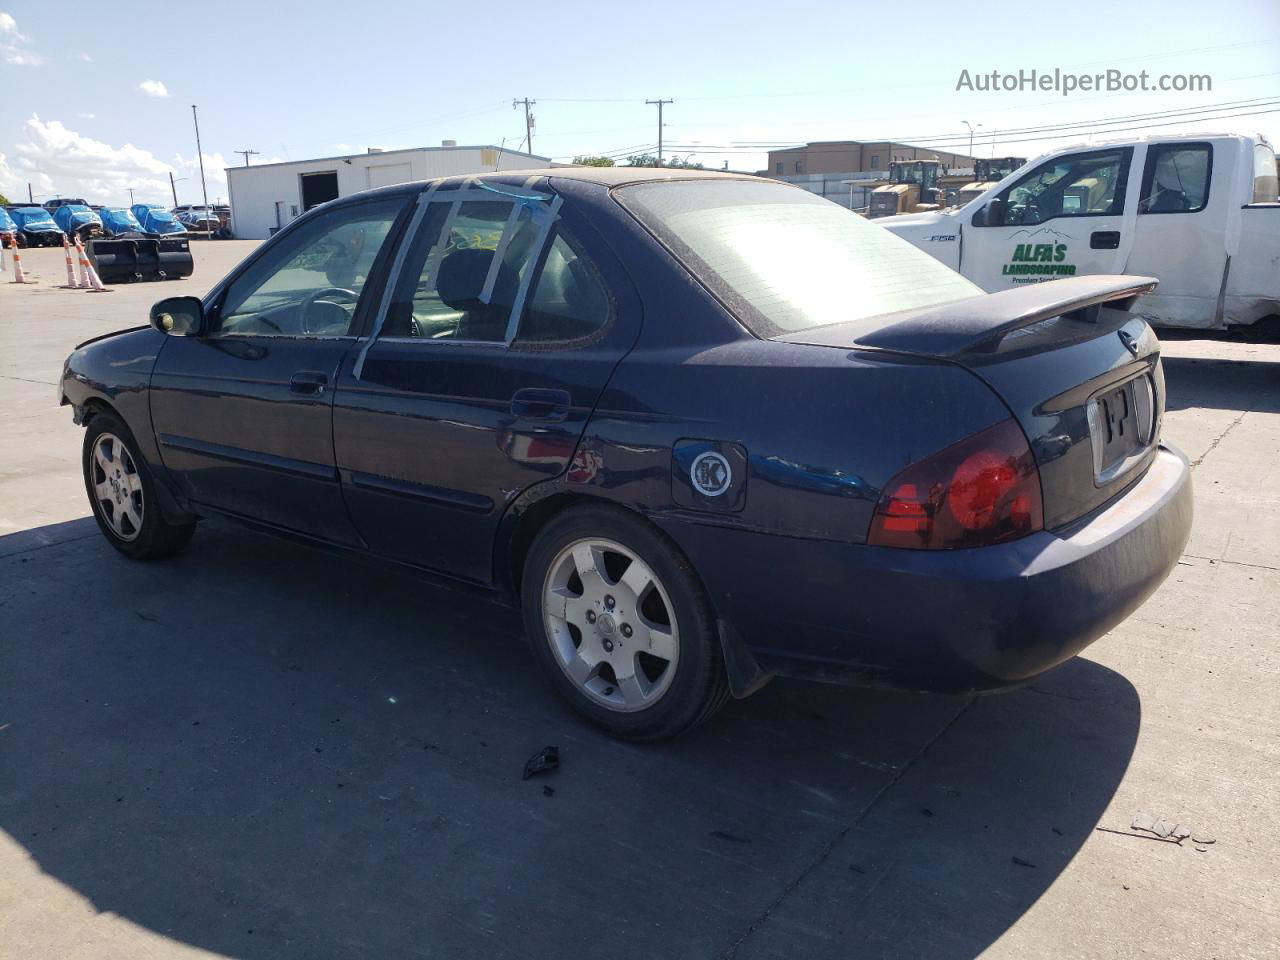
<point>1264,174</point>
<point>1176,179</point>
<point>1076,185</point>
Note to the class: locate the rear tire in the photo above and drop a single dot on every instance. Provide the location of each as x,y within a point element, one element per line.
<point>122,494</point>
<point>621,625</point>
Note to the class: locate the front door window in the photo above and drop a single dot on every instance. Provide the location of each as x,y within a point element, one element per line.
<point>309,283</point>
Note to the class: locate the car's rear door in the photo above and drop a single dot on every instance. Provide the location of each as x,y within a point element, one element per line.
<point>243,413</point>
<point>507,318</point>
<point>1065,217</point>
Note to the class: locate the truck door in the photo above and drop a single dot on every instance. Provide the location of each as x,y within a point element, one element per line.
<point>1180,231</point>
<point>1063,218</point>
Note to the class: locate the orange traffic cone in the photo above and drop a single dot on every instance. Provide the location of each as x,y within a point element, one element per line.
<point>91,275</point>
<point>72,282</point>
<point>18,275</point>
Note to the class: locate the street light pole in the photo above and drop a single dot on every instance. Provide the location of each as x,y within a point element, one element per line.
<point>204,191</point>
<point>971,129</point>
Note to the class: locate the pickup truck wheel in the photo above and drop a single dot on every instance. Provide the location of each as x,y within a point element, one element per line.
<point>621,625</point>
<point>122,494</point>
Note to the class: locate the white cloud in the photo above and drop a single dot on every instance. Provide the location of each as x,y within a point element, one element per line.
<point>14,47</point>
<point>56,160</point>
<point>153,88</point>
<point>86,58</point>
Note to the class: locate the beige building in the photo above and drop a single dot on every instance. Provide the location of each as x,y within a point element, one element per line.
<point>853,156</point>
<point>826,168</point>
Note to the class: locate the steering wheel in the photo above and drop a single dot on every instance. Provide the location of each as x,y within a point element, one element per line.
<point>311,299</point>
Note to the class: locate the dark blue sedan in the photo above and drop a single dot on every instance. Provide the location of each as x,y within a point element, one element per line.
<point>703,429</point>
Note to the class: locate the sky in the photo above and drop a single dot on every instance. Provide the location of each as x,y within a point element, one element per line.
<point>96,99</point>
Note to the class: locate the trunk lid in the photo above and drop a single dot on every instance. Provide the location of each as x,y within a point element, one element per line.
<point>1081,375</point>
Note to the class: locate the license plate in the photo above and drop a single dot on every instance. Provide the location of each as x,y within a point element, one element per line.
<point>1120,426</point>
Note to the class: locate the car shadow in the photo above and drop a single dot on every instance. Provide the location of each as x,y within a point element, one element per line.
<point>270,752</point>
<point>1222,384</point>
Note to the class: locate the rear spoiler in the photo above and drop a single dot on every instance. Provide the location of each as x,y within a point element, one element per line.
<point>966,325</point>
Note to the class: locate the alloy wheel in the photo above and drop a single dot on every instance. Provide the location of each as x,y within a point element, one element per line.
<point>610,624</point>
<point>117,486</point>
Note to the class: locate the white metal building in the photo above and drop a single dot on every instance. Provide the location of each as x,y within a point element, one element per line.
<point>267,196</point>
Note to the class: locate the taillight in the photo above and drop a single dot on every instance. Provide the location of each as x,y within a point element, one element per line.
<point>983,490</point>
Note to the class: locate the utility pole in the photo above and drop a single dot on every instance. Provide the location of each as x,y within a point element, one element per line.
<point>173,188</point>
<point>244,153</point>
<point>175,203</point>
<point>204,191</point>
<point>658,104</point>
<point>528,121</point>
<point>30,196</point>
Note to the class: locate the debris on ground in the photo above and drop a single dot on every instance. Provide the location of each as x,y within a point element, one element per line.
<point>1149,827</point>
<point>546,760</point>
<point>1023,863</point>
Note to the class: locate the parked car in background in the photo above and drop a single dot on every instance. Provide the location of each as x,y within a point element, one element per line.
<point>120,222</point>
<point>36,227</point>
<point>52,205</point>
<point>7,227</point>
<point>614,398</point>
<point>156,220</point>
<point>77,220</point>
<point>197,219</point>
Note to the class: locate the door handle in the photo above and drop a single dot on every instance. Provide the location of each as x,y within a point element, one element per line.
<point>534,403</point>
<point>311,382</point>
<point>1104,240</point>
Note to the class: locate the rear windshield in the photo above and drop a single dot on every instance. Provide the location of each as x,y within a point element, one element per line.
<point>785,260</point>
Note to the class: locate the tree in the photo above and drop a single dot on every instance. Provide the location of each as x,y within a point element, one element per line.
<point>651,160</point>
<point>4,201</point>
<point>591,161</point>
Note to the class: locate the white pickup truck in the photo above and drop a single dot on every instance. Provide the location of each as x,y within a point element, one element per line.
<point>1198,212</point>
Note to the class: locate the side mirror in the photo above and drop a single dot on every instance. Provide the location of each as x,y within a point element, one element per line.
<point>179,316</point>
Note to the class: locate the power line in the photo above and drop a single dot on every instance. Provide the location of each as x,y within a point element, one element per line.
<point>245,153</point>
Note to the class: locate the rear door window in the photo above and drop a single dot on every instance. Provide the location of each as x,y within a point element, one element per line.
<point>1176,178</point>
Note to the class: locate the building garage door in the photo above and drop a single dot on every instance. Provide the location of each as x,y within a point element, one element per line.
<point>318,188</point>
<point>389,173</point>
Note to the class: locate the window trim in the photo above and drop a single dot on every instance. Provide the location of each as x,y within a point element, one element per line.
<point>1120,197</point>
<point>1149,174</point>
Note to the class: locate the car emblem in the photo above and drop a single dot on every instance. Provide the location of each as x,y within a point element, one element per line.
<point>1127,339</point>
<point>710,474</point>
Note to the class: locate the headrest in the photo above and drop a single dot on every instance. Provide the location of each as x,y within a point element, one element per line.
<point>461,278</point>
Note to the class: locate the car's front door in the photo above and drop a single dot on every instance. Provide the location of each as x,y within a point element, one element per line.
<point>1066,217</point>
<point>505,323</point>
<point>243,412</point>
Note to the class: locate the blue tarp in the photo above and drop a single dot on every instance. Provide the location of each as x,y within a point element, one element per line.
<point>72,216</point>
<point>6,222</point>
<point>33,218</point>
<point>119,220</point>
<point>156,219</point>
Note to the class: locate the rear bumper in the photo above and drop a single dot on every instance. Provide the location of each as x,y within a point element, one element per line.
<point>947,621</point>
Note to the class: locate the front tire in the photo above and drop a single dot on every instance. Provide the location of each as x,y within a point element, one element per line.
<point>122,494</point>
<point>621,625</point>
